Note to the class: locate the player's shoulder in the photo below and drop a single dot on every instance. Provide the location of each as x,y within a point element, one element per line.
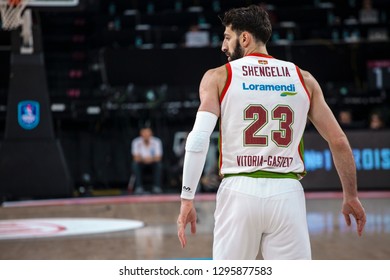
<point>305,74</point>
<point>308,78</point>
<point>215,73</point>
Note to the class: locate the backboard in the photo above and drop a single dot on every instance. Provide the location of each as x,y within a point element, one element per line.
<point>53,3</point>
<point>13,12</point>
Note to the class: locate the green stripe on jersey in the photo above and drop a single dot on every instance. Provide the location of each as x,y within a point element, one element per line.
<point>266,174</point>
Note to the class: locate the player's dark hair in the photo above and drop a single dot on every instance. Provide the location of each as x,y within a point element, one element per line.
<point>253,19</point>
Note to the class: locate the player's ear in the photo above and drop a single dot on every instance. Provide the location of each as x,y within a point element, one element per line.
<point>245,39</point>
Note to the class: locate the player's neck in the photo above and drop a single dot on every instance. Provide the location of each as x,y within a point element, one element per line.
<point>256,49</point>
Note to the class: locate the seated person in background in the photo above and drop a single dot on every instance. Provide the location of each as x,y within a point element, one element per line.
<point>147,153</point>
<point>346,120</point>
<point>210,178</point>
<point>367,13</point>
<point>197,38</point>
<point>376,121</point>
<point>179,142</point>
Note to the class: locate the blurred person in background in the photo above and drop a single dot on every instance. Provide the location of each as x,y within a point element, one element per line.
<point>147,152</point>
<point>376,121</point>
<point>367,14</point>
<point>346,120</point>
<point>196,37</point>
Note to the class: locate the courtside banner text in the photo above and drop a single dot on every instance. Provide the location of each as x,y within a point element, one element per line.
<point>371,150</point>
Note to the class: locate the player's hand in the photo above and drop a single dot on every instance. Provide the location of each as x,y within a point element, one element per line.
<point>187,215</point>
<point>354,207</point>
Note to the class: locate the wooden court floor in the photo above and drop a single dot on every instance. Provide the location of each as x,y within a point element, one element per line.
<point>331,239</point>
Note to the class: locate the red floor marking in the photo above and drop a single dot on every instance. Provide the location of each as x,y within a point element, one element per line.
<point>166,198</point>
<point>52,227</point>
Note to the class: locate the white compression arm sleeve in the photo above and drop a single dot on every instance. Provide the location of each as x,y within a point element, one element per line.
<point>197,145</point>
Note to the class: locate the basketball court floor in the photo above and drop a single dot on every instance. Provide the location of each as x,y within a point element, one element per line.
<point>154,235</point>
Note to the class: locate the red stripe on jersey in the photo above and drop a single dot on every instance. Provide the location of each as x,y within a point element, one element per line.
<point>260,54</point>
<point>302,81</point>
<point>220,144</point>
<point>223,93</point>
<point>228,81</point>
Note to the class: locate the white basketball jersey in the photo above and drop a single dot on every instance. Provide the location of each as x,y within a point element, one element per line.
<point>264,108</point>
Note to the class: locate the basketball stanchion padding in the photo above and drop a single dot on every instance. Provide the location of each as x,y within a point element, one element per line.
<point>11,13</point>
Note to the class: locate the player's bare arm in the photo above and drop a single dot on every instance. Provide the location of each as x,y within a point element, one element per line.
<point>323,119</point>
<point>209,90</point>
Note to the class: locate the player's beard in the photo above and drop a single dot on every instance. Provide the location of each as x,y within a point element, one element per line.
<point>238,52</point>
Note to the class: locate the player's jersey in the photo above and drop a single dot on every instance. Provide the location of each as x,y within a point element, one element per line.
<point>264,108</point>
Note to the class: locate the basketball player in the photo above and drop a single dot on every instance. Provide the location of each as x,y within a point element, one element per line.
<point>263,104</point>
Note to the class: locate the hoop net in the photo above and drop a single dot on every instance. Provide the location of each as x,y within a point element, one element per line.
<point>11,13</point>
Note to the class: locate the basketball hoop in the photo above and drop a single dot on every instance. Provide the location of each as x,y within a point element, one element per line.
<point>11,13</point>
